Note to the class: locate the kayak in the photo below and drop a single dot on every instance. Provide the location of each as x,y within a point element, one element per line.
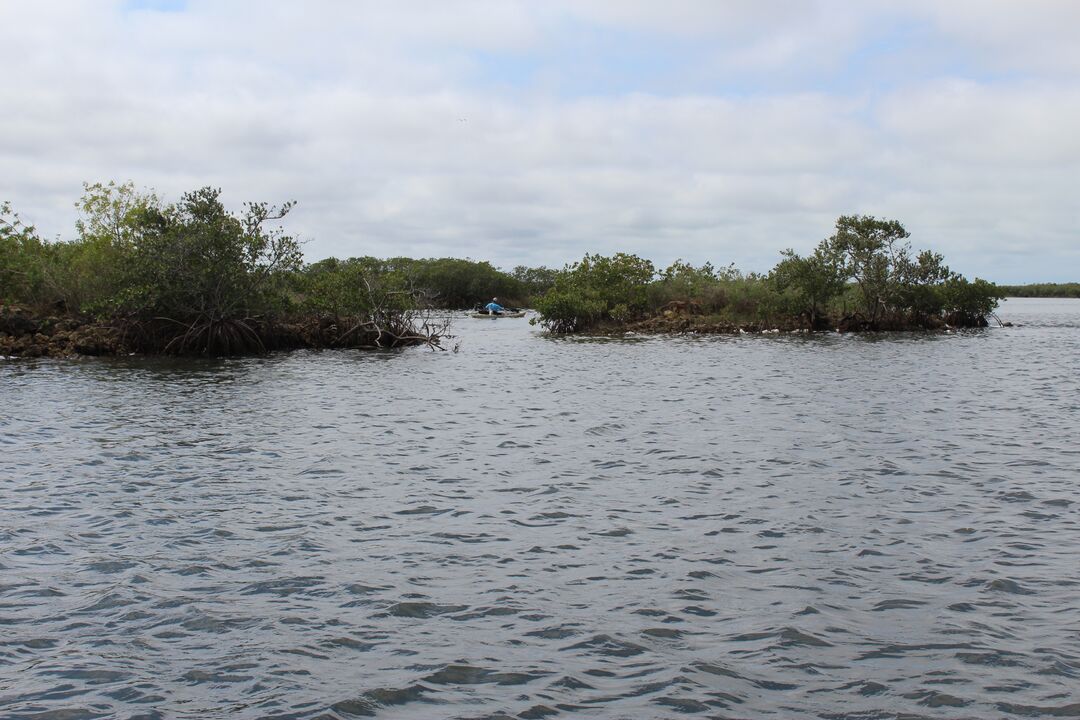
<point>505,314</point>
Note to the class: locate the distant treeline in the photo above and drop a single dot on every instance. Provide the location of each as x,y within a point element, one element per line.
<point>1042,290</point>
<point>144,275</point>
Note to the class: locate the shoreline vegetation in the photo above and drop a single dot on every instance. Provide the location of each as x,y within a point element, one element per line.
<point>193,278</point>
<point>864,277</point>
<point>1042,290</point>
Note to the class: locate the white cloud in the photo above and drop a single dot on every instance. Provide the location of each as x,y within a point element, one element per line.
<point>1034,35</point>
<point>370,115</point>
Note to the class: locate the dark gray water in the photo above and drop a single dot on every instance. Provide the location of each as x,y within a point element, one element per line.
<point>747,527</point>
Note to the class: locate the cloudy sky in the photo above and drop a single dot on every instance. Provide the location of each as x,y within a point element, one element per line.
<point>534,131</point>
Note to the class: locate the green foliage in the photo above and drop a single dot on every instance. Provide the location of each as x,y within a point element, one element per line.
<point>352,287</point>
<point>219,281</point>
<point>84,274</point>
<point>569,309</point>
<point>441,282</point>
<point>724,293</point>
<point>967,304</point>
<point>682,281</point>
<point>1042,290</point>
<point>919,284</point>
<point>808,285</point>
<point>892,288</point>
<point>454,283</point>
<point>596,290</point>
<point>109,212</point>
<point>534,281</point>
<point>866,264</point>
<point>869,249</point>
<point>97,267</point>
<point>196,261</point>
<point>752,300</point>
<point>24,260</point>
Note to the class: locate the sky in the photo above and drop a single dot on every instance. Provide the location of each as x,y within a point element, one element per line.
<point>535,131</point>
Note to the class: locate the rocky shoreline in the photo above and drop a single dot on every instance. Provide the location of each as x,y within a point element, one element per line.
<point>24,333</point>
<point>687,318</point>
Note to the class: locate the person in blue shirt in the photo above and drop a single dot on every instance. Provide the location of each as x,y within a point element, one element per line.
<point>493,307</point>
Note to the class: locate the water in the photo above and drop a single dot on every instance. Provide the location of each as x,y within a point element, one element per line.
<point>724,527</point>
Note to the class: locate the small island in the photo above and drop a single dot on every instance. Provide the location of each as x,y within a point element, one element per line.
<point>193,278</point>
<point>864,277</point>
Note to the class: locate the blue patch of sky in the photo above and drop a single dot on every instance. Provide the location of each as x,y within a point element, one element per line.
<point>579,60</point>
<point>903,53</point>
<point>155,5</point>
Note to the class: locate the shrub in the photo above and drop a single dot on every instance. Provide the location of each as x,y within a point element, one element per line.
<point>454,283</point>
<point>352,287</point>
<point>25,261</point>
<point>96,270</point>
<point>214,276</point>
<point>534,281</point>
<point>682,281</point>
<point>597,290</point>
<point>809,285</point>
<point>967,304</point>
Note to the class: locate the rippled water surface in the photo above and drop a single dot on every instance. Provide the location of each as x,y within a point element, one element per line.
<point>724,527</point>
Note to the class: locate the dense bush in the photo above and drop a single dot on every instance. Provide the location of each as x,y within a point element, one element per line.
<point>194,277</point>
<point>184,277</point>
<point>534,281</point>
<point>808,286</point>
<point>337,288</point>
<point>454,283</point>
<point>967,304</point>
<point>865,276</point>
<point>681,280</point>
<point>24,261</point>
<point>597,291</point>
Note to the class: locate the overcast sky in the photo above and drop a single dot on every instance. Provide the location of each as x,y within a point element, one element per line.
<point>532,132</point>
